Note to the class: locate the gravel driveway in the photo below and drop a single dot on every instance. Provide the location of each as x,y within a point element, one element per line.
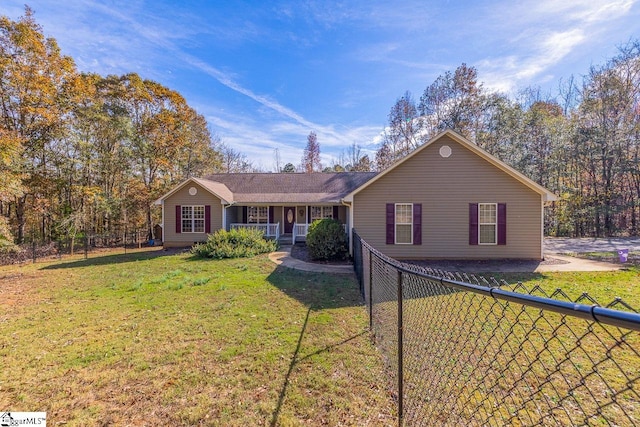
<point>559,245</point>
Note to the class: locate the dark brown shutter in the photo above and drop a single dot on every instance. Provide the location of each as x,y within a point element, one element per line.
<point>207,219</point>
<point>391,223</point>
<point>473,223</point>
<point>271,215</point>
<point>178,219</point>
<point>245,219</point>
<point>335,212</point>
<point>417,224</point>
<point>502,223</point>
<point>308,214</point>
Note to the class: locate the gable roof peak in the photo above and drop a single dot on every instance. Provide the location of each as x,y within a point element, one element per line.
<point>455,136</point>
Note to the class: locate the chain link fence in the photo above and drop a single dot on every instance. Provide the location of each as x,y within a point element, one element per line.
<point>463,350</point>
<point>35,250</point>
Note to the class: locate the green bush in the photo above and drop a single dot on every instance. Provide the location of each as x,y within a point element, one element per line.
<point>327,240</point>
<point>237,243</point>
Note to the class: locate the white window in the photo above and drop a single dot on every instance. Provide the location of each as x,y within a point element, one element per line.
<point>404,223</point>
<point>257,214</point>
<point>487,223</point>
<point>321,212</point>
<point>193,219</point>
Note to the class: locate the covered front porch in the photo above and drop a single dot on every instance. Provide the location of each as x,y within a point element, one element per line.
<point>288,224</point>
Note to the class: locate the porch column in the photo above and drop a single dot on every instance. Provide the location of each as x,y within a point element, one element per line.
<point>224,217</point>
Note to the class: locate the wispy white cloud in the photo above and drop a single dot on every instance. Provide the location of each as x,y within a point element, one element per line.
<point>543,33</point>
<point>586,11</point>
<point>259,140</point>
<point>371,51</point>
<point>505,73</point>
<point>330,136</point>
<point>408,16</point>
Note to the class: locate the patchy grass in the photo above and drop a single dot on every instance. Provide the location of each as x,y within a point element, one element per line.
<point>603,286</point>
<point>157,339</point>
<point>475,360</point>
<point>633,259</point>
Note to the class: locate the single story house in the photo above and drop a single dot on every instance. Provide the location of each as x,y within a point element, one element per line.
<point>446,199</point>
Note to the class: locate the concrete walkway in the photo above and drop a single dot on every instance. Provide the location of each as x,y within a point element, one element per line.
<point>578,264</point>
<point>553,262</point>
<point>567,263</point>
<point>283,257</point>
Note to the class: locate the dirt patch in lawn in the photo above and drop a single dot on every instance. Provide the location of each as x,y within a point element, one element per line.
<point>301,251</point>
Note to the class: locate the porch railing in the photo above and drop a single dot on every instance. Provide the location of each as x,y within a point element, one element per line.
<point>269,230</point>
<point>300,230</point>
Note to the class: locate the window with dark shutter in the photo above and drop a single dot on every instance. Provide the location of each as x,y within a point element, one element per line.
<point>207,219</point>
<point>502,223</point>
<point>178,219</point>
<point>473,223</point>
<point>487,223</point>
<point>417,224</point>
<point>391,224</point>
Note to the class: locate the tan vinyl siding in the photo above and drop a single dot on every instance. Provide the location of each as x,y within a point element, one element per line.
<point>445,187</point>
<point>183,198</point>
<point>301,214</point>
<point>277,217</point>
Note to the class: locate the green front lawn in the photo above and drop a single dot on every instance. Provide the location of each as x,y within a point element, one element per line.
<point>158,339</point>
<point>603,286</point>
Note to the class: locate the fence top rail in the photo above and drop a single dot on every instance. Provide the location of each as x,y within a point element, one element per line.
<point>596,313</point>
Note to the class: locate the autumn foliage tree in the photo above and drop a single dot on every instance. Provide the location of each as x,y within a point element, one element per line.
<point>83,153</point>
<point>311,156</point>
<point>35,80</point>
<point>583,144</point>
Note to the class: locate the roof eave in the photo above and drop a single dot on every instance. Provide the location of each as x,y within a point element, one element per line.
<point>180,186</point>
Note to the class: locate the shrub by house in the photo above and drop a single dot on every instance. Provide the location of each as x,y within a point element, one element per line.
<point>327,240</point>
<point>237,243</point>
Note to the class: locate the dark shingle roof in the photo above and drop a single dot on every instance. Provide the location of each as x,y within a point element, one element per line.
<point>291,187</point>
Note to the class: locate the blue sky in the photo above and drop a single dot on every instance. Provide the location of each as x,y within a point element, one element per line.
<point>266,73</point>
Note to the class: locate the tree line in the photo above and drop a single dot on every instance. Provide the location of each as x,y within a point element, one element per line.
<point>582,143</point>
<point>85,153</point>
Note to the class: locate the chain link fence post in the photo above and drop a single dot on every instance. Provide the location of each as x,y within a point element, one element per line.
<point>400,355</point>
<point>370,288</point>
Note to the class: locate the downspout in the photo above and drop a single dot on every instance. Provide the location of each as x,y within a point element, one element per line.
<point>350,224</point>
<point>542,228</point>
<point>224,216</point>
<point>164,229</point>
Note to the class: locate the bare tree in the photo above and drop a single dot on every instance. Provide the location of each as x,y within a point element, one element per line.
<point>454,101</point>
<point>234,161</point>
<point>277,161</point>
